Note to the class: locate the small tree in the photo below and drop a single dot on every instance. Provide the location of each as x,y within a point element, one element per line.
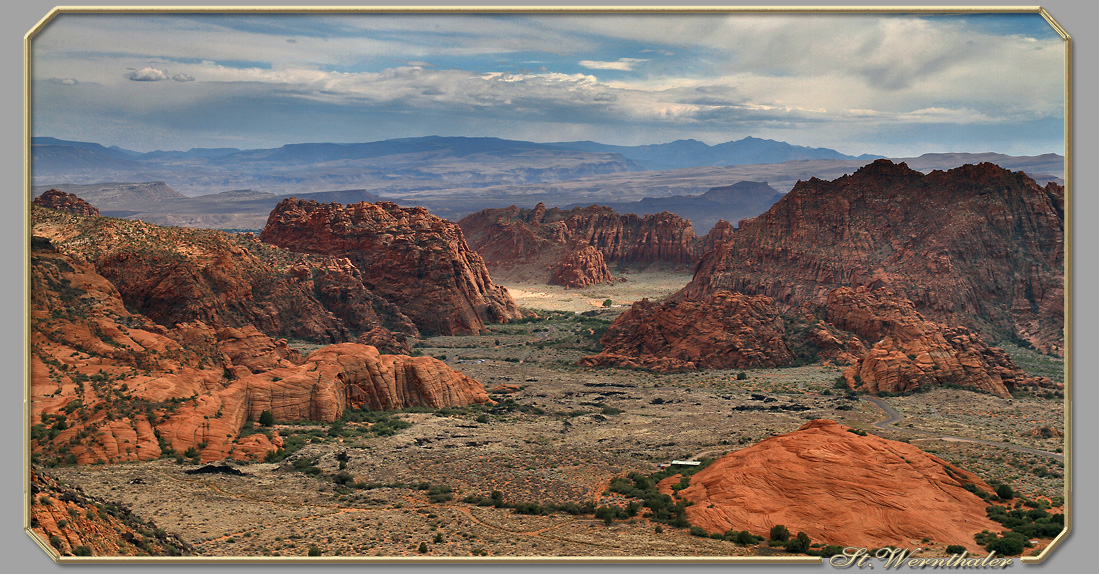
<point>955,549</point>
<point>266,418</point>
<point>607,303</point>
<point>780,533</point>
<point>423,548</point>
<point>799,544</point>
<point>314,551</point>
<point>742,376</point>
<point>1004,491</point>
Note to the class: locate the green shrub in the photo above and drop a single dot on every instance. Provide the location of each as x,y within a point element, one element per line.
<point>82,551</point>
<point>799,544</point>
<point>780,533</point>
<point>1005,492</point>
<point>955,549</point>
<point>423,548</point>
<point>266,418</point>
<point>314,551</point>
<point>699,531</point>
<point>742,376</point>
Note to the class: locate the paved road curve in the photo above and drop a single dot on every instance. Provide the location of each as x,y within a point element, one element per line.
<point>892,417</point>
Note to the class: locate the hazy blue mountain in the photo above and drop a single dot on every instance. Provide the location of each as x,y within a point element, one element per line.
<point>692,153</point>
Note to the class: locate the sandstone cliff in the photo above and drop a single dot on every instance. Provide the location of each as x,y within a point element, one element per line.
<point>67,202</point>
<point>839,488</point>
<point>727,330</point>
<point>416,261</point>
<point>977,245</point>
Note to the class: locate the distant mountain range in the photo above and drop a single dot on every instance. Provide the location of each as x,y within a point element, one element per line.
<point>693,153</point>
<point>432,162</point>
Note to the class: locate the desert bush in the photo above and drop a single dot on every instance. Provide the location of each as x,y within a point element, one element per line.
<point>779,532</point>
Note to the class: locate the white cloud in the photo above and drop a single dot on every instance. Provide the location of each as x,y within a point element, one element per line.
<point>623,64</point>
<point>63,81</point>
<point>149,74</point>
<point>183,78</point>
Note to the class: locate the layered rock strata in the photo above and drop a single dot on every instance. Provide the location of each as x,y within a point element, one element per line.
<point>67,202</point>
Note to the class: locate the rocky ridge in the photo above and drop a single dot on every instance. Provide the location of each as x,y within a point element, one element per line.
<point>977,245</point>
<point>412,259</point>
<point>581,268</point>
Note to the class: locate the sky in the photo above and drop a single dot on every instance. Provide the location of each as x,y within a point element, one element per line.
<point>889,84</point>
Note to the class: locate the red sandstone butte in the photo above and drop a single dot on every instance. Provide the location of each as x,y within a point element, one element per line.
<point>416,261</point>
<point>727,330</point>
<point>840,488</point>
<point>582,268</point>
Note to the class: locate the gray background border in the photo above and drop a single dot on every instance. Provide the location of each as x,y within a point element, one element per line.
<point>20,554</point>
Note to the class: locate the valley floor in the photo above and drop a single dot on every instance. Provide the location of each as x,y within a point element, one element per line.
<point>561,437</point>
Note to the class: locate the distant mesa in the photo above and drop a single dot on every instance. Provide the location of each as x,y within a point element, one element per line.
<point>418,262</point>
<point>840,488</point>
<point>67,202</point>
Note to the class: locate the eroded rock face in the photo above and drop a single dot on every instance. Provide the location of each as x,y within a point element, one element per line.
<point>110,385</point>
<point>386,341</point>
<point>839,488</point>
<point>721,232</point>
<point>512,237</point>
<point>416,261</point>
<point>67,202</point>
<point>582,268</point>
<point>977,245</point>
<point>727,330</point>
<point>909,352</point>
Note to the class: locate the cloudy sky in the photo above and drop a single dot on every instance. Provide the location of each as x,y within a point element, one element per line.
<point>886,84</point>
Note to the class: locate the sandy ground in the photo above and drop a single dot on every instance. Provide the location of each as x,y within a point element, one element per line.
<point>651,284</point>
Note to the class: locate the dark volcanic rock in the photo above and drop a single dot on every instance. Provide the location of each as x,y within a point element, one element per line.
<point>977,245</point>
<point>416,261</point>
<point>67,202</point>
<point>727,330</point>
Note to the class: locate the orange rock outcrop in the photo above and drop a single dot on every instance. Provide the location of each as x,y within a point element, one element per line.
<point>727,330</point>
<point>418,262</point>
<point>840,488</point>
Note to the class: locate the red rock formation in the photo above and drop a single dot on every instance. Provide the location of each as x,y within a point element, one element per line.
<point>511,237</point>
<point>722,231</point>
<point>109,385</point>
<point>977,245</point>
<point>911,352</point>
<point>67,202</point>
<point>416,261</point>
<point>727,330</point>
<point>386,341</point>
<point>839,488</point>
<point>67,519</point>
<point>582,268</point>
